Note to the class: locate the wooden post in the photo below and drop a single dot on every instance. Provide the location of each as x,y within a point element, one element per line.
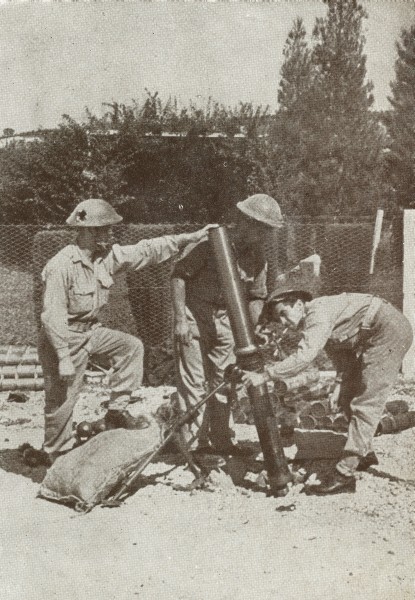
<point>376,239</point>
<point>408,365</point>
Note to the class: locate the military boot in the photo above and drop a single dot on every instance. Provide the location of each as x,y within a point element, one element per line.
<point>367,461</point>
<point>336,484</point>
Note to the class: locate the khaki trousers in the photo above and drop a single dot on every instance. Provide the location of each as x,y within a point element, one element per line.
<point>200,367</point>
<point>125,354</point>
<point>368,379</point>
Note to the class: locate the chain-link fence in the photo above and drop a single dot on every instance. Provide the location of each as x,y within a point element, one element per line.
<point>140,302</point>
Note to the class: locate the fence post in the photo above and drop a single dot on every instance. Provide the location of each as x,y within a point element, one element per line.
<point>408,365</point>
<point>376,239</point>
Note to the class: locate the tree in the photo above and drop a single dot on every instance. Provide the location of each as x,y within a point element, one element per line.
<point>330,143</point>
<point>42,180</point>
<point>347,136</point>
<point>296,71</point>
<point>339,59</point>
<point>287,135</point>
<point>401,122</point>
<point>124,158</point>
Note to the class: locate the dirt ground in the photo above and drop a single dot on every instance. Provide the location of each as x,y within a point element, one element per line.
<point>228,542</point>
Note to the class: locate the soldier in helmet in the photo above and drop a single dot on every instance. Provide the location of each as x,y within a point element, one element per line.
<point>367,338</point>
<point>203,337</point>
<point>77,282</point>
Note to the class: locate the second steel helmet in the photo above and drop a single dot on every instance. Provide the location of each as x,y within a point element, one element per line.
<point>93,212</point>
<point>281,293</point>
<point>262,208</point>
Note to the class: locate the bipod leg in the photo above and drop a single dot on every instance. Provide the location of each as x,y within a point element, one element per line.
<point>199,471</point>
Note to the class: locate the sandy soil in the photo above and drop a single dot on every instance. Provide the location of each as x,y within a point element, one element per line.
<point>231,542</point>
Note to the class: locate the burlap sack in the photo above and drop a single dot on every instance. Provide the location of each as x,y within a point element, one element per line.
<point>85,476</point>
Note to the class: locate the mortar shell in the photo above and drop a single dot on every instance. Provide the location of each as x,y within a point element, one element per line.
<point>31,384</point>
<point>319,408</point>
<point>307,422</point>
<point>29,371</point>
<point>396,407</point>
<point>319,390</point>
<point>302,380</point>
<point>396,423</point>
<point>11,384</point>
<point>15,355</point>
<point>8,371</point>
<point>325,422</point>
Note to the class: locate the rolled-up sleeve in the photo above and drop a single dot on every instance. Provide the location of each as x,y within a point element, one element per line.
<point>193,259</point>
<point>316,332</point>
<point>144,253</point>
<point>54,315</point>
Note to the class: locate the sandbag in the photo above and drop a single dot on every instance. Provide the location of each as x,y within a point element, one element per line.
<point>85,476</point>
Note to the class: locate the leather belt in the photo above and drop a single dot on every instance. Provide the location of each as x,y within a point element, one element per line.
<point>83,326</point>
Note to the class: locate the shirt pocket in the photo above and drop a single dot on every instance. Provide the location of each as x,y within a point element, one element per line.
<point>81,299</point>
<point>105,283</point>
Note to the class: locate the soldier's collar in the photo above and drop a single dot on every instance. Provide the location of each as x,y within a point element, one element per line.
<point>79,256</point>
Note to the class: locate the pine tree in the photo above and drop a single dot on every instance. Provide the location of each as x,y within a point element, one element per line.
<point>296,71</point>
<point>286,150</point>
<point>401,121</point>
<point>347,151</point>
<point>339,59</point>
<point>334,165</point>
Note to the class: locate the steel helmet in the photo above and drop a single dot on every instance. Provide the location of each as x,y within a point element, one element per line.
<point>280,294</point>
<point>263,208</point>
<point>93,212</point>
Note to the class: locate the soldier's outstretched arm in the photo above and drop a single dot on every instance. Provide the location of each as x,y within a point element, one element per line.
<point>153,251</point>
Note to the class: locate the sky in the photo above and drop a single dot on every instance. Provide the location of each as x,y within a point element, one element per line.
<point>58,58</point>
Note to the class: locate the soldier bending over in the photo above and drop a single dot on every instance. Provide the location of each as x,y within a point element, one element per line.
<point>367,338</point>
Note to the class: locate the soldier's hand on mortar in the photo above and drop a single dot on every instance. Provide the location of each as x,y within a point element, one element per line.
<point>201,235</point>
<point>66,369</point>
<point>204,232</point>
<point>262,336</point>
<point>182,331</point>
<point>250,378</point>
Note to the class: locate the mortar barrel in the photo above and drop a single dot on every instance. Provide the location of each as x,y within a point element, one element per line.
<point>249,358</point>
<point>233,291</point>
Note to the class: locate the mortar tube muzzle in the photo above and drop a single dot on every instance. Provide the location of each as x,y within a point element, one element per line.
<point>233,291</point>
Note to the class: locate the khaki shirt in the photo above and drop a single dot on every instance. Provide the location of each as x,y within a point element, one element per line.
<point>198,268</point>
<point>334,321</point>
<point>76,289</point>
